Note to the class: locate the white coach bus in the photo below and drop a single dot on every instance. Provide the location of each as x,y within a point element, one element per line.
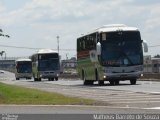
<point>111,53</point>
<point>45,64</point>
<point>23,68</point>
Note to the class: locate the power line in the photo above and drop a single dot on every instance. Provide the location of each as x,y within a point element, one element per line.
<point>31,48</point>
<point>154,46</point>
<point>9,46</point>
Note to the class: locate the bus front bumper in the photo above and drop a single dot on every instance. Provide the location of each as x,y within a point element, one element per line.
<point>122,76</point>
<point>23,75</point>
<point>49,74</point>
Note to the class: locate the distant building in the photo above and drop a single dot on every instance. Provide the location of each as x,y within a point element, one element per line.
<point>147,67</point>
<point>156,65</point>
<point>151,65</point>
<point>7,64</point>
<point>70,63</point>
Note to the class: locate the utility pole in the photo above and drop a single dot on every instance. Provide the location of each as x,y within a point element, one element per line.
<point>66,56</point>
<point>58,44</point>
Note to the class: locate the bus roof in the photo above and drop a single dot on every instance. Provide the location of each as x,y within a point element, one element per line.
<point>45,51</point>
<point>23,59</point>
<point>113,28</point>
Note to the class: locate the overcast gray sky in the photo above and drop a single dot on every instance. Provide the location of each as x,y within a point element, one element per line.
<point>36,23</point>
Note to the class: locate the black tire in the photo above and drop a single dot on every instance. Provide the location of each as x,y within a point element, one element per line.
<point>116,82</point>
<point>133,81</point>
<point>112,82</point>
<point>83,76</point>
<point>17,78</point>
<point>35,79</point>
<point>88,82</point>
<point>85,82</point>
<point>96,75</point>
<point>39,79</point>
<point>56,78</point>
<point>101,82</point>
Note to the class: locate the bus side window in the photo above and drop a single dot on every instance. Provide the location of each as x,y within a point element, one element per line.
<point>94,41</point>
<point>78,44</point>
<point>90,44</point>
<point>88,47</point>
<point>84,45</point>
<point>86,42</point>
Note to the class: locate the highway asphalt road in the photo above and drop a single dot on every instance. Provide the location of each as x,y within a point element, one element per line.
<point>144,97</point>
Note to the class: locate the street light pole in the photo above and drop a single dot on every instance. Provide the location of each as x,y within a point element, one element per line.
<point>58,44</point>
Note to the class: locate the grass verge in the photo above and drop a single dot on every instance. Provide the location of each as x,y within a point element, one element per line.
<point>10,94</point>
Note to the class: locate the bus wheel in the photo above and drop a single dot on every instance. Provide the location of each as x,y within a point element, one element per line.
<point>96,74</point>
<point>100,82</point>
<point>35,79</point>
<point>111,82</point>
<point>88,82</point>
<point>17,78</point>
<point>51,79</point>
<point>85,82</point>
<point>83,77</point>
<point>116,82</point>
<point>133,81</point>
<point>56,78</point>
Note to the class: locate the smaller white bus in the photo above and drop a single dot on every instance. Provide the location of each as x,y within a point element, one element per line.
<point>45,64</point>
<point>23,68</point>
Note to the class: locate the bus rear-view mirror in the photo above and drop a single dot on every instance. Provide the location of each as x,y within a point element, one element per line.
<point>98,48</point>
<point>145,46</point>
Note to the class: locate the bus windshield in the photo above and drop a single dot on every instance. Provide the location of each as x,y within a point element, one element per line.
<point>24,67</point>
<point>122,49</point>
<point>48,62</point>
